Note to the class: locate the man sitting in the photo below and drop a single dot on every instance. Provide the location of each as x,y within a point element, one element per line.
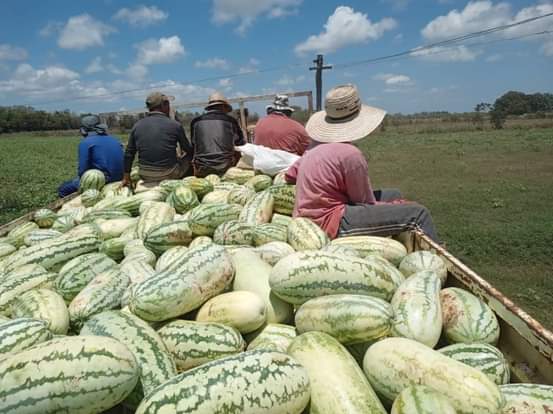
<point>332,184</point>
<point>97,150</point>
<point>279,131</point>
<point>155,138</point>
<point>214,136</point>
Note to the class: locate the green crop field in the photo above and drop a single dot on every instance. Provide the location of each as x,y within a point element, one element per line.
<point>490,192</point>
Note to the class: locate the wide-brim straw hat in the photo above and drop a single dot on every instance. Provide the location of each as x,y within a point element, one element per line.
<point>345,118</point>
<point>217,99</point>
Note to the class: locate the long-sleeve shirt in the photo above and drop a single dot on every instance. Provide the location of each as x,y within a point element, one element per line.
<point>279,132</point>
<point>155,138</point>
<point>327,178</point>
<point>101,152</point>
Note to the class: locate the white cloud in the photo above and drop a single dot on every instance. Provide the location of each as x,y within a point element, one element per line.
<point>343,28</point>
<point>448,54</point>
<point>393,79</point>
<point>52,27</point>
<point>141,15</point>
<point>225,82</point>
<point>246,11</point>
<point>250,67</point>
<point>496,57</point>
<point>163,50</point>
<point>290,81</point>
<point>9,52</point>
<point>83,31</point>
<point>212,63</point>
<point>95,65</point>
<point>136,71</point>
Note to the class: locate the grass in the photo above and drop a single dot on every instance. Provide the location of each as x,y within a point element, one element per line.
<point>490,193</point>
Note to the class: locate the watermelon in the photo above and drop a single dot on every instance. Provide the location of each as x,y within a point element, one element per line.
<point>274,337</point>
<point>259,182</point>
<point>167,235</point>
<point>36,236</point>
<point>258,210</point>
<point>44,218</point>
<point>205,218</point>
<point>183,199</point>
<point>269,232</point>
<point>390,249</point>
<point>199,185</point>
<point>240,195</point>
<point>527,398</point>
<point>238,175</point>
<point>285,197</point>
<point>419,399</point>
<point>90,197</point>
<point>92,180</point>
<point>169,257</point>
<point>272,252</point>
<point>234,232</point>
<point>218,196</point>
<point>423,260</point>
<point>304,234</point>
<point>19,334</point>
<point>18,233</point>
<point>45,305</point>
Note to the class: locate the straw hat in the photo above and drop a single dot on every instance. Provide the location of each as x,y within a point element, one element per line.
<point>216,99</point>
<point>345,118</point>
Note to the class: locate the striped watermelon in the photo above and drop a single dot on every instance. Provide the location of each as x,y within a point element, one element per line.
<point>44,218</point>
<point>225,185</point>
<point>90,197</point>
<point>168,235</point>
<point>153,358</point>
<point>527,399</point>
<point>390,249</point>
<point>53,252</point>
<point>258,210</point>
<point>281,219</point>
<point>142,255</point>
<point>132,203</point>
<point>249,383</point>
<point>200,241</point>
<point>199,185</point>
<point>153,217</point>
<point>274,251</point>
<point>241,195</point>
<point>285,197</point>
<point>483,357</point>
<point>183,199</point>
<point>376,259</point>
<point>19,334</point>
<point>304,234</point>
<point>218,196</point>
<point>112,228</point>
<point>279,178</point>
<point>79,374</point>
<point>45,305</point>
<point>252,274</point>
<point>213,179</point>
<point>137,271</point>
<point>105,214</point>
<point>92,180</point>
<point>423,260</point>
<point>259,182</point>
<point>417,310</point>
<point>17,234</point>
<point>78,272</point>
<point>169,257</point>
<point>64,222</point>
<point>234,232</point>
<point>24,278</point>
<point>103,293</point>
<point>205,218</point>
<point>274,337</point>
<point>348,318</point>
<point>115,189</point>
<point>36,236</point>
<point>269,232</point>
<point>419,399</point>
<point>133,246</point>
<point>305,275</point>
<point>201,273</point>
<point>194,343</point>
<point>168,186</point>
<point>393,364</point>
<point>114,248</point>
<point>337,382</point>
<point>467,319</point>
<point>243,310</point>
<point>6,249</point>
<point>341,250</point>
<point>238,175</point>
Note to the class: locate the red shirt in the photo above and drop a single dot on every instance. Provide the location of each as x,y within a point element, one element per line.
<point>277,131</point>
<point>327,178</point>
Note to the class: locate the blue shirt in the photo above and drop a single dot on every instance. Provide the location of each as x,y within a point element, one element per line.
<point>101,152</point>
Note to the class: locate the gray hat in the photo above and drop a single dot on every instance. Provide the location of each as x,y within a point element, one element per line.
<point>280,104</point>
<point>155,99</point>
<point>92,123</point>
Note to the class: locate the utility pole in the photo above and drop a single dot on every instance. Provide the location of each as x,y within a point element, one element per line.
<point>319,79</point>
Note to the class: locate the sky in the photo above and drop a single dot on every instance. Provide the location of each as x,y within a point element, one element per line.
<point>108,55</point>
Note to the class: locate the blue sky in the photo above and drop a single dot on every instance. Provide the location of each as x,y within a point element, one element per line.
<point>84,55</point>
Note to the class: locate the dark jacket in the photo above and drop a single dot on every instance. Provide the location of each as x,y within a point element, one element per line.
<point>101,152</point>
<point>214,135</point>
<point>155,138</point>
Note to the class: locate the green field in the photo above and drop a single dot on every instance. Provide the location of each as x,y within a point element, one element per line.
<point>490,192</point>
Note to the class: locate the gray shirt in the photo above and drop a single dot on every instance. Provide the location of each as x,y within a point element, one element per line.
<point>155,138</point>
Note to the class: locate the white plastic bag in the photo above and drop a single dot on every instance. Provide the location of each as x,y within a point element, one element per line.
<point>267,160</point>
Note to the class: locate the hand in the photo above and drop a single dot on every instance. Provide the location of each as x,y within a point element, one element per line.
<point>126,182</point>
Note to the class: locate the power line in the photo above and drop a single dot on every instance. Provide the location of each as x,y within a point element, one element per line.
<point>406,53</point>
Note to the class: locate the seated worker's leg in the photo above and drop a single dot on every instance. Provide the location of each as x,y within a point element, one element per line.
<point>68,187</point>
<point>387,194</point>
<point>386,220</point>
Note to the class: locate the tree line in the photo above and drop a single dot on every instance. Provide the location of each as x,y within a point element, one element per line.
<point>28,119</point>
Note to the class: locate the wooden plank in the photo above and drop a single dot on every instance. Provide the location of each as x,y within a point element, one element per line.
<point>55,205</point>
<point>527,344</point>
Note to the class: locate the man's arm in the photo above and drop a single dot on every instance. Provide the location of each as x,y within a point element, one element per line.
<point>303,140</point>
<point>184,143</point>
<point>84,158</point>
<point>130,152</point>
<point>358,185</point>
<point>292,173</point>
<point>239,137</point>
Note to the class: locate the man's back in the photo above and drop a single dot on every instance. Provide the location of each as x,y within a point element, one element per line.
<point>104,153</point>
<point>155,138</point>
<point>214,135</point>
<point>277,131</point>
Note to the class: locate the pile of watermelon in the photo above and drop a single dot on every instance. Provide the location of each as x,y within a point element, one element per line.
<point>204,295</point>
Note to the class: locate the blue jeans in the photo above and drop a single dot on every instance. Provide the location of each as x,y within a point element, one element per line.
<point>68,187</point>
